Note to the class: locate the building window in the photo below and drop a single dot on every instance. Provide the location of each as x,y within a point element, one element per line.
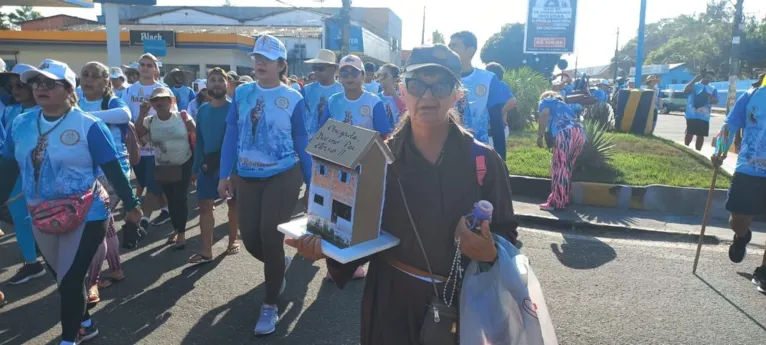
<point>318,199</point>
<point>341,210</point>
<point>359,169</point>
<point>684,82</point>
<point>322,170</point>
<point>244,71</point>
<point>343,177</point>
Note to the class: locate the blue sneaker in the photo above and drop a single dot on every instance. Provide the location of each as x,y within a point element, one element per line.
<point>267,323</point>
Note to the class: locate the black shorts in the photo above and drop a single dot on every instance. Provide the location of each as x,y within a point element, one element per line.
<point>747,195</point>
<point>697,127</point>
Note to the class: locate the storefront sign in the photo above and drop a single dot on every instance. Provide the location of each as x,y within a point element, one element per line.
<point>334,37</point>
<point>138,37</point>
<point>550,27</point>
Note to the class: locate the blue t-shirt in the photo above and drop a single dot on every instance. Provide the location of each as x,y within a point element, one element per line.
<point>392,110</point>
<point>366,112</point>
<point>68,163</point>
<point>600,95</point>
<point>749,113</point>
<point>483,91</point>
<point>315,96</point>
<point>9,114</point>
<point>211,127</point>
<point>703,112</point>
<point>373,87</point>
<point>265,133</point>
<point>117,124</point>
<point>561,115</point>
<point>184,95</point>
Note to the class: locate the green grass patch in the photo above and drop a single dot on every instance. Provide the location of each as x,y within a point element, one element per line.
<point>636,160</point>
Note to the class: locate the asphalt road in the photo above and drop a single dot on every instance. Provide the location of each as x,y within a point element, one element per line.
<point>673,127</point>
<point>600,290</point>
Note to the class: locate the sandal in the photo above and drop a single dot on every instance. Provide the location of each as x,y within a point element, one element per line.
<point>93,296</point>
<point>106,282</point>
<point>198,259</point>
<point>172,239</point>
<point>3,301</point>
<point>179,246</point>
<point>233,249</point>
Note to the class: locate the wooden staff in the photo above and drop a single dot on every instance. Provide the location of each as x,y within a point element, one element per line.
<point>705,218</point>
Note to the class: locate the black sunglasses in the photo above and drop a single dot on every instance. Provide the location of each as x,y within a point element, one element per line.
<point>418,88</point>
<point>47,84</point>
<point>17,85</point>
<point>319,69</point>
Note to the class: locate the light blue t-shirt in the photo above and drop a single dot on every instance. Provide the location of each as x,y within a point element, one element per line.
<point>315,96</point>
<point>367,112</point>
<point>211,127</point>
<point>68,162</point>
<point>265,133</point>
<point>600,96</point>
<point>9,114</point>
<point>749,113</point>
<point>703,112</point>
<point>561,115</point>
<point>118,128</point>
<point>392,110</point>
<point>482,92</point>
<point>373,87</point>
<point>184,95</point>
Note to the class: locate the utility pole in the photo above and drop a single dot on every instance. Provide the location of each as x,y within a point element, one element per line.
<point>616,50</point>
<point>423,33</point>
<point>640,44</point>
<point>345,17</point>
<point>736,38</point>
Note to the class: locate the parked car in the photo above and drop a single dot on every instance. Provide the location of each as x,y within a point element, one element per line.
<point>673,100</point>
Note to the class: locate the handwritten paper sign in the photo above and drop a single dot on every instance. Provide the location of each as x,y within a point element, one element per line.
<point>341,143</point>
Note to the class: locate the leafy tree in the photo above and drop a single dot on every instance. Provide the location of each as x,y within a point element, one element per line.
<point>437,37</point>
<point>507,48</point>
<point>5,24</point>
<point>23,14</point>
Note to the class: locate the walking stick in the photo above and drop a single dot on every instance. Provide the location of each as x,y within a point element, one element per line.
<point>705,218</point>
<point>11,200</point>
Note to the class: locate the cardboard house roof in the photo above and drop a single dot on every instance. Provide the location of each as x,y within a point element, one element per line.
<point>346,145</point>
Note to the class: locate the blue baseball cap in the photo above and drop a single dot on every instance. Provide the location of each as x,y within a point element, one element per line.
<point>270,47</point>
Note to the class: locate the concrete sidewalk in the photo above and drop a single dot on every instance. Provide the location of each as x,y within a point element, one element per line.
<point>707,151</point>
<point>684,228</point>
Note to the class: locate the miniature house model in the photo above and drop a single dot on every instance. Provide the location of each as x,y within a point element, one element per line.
<point>348,162</point>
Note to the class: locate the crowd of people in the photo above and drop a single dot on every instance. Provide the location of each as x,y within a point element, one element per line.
<point>70,144</point>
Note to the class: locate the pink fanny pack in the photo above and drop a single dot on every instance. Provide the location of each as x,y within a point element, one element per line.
<point>61,216</point>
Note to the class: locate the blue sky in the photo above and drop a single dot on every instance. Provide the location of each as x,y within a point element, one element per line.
<point>597,21</point>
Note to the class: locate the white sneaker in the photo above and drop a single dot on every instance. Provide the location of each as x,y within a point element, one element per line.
<point>267,322</point>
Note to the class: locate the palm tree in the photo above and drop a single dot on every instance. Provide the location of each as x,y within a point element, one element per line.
<point>23,14</point>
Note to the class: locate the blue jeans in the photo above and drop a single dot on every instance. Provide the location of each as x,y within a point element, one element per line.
<point>22,225</point>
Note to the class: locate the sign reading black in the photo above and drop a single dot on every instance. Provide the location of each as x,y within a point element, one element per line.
<point>137,37</point>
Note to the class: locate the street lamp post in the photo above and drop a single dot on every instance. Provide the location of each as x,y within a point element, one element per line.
<point>640,45</point>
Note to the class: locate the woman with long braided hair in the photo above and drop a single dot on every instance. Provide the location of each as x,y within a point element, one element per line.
<point>99,100</point>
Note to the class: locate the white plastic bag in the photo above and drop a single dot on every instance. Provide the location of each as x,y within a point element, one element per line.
<point>504,306</point>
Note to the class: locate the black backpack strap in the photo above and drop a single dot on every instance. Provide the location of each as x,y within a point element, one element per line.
<point>105,102</point>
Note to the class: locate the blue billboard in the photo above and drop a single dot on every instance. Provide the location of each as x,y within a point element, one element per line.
<point>334,37</point>
<point>156,47</point>
<point>550,27</point>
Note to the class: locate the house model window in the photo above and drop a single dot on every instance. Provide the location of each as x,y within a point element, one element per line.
<point>339,213</point>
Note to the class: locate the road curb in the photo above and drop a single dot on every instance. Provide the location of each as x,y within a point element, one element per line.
<point>529,220</point>
<point>661,198</point>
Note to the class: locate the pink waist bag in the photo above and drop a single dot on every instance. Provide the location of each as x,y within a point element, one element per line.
<point>61,216</point>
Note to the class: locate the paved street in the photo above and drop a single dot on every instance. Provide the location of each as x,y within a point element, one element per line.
<point>673,127</point>
<point>601,290</point>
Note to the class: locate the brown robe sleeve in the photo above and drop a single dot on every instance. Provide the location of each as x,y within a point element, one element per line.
<point>497,190</point>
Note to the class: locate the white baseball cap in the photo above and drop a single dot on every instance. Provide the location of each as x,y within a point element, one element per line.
<point>353,61</point>
<point>116,72</point>
<point>270,47</point>
<point>51,69</point>
<point>604,82</point>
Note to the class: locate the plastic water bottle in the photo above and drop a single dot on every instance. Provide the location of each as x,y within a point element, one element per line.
<point>482,211</point>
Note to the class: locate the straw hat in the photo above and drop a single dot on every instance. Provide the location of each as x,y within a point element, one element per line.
<point>161,92</point>
<point>323,56</point>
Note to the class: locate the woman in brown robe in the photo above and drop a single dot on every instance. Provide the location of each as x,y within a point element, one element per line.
<point>438,174</point>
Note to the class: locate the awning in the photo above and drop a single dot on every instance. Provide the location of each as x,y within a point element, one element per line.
<point>50,3</point>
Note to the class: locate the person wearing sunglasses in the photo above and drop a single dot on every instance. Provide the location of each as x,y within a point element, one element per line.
<point>356,106</point>
<point>265,141</point>
<point>484,96</point>
<point>431,183</point>
<point>315,95</point>
<point>59,151</point>
<point>388,76</point>
<point>22,101</point>
<point>135,97</point>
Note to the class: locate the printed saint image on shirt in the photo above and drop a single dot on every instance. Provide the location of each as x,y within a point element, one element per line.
<point>320,108</point>
<point>38,156</point>
<point>349,117</point>
<point>255,116</point>
<point>390,114</point>
<point>461,105</point>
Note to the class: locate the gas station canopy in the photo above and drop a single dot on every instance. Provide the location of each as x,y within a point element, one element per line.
<point>50,3</point>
